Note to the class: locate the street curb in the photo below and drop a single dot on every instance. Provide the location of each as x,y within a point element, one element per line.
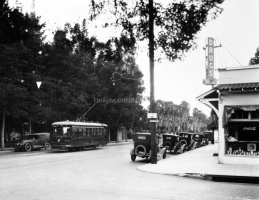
<point>188,175</point>
<point>7,150</point>
<point>211,177</point>
<point>196,176</point>
<point>118,143</point>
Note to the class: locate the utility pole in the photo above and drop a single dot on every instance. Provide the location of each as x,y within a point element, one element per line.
<point>152,99</point>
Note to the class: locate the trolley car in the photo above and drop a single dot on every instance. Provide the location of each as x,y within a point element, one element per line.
<point>68,135</point>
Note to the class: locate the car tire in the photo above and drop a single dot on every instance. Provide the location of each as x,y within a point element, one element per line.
<point>28,147</point>
<point>133,157</point>
<point>47,146</point>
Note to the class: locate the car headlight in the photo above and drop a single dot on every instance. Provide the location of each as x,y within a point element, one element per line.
<point>21,143</point>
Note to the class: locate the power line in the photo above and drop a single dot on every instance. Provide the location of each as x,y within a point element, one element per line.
<point>229,52</point>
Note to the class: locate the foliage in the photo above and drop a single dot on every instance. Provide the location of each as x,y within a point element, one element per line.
<point>174,118</point>
<point>83,73</point>
<point>199,120</point>
<point>79,74</point>
<point>20,42</point>
<point>176,22</point>
<point>255,59</point>
<point>75,72</point>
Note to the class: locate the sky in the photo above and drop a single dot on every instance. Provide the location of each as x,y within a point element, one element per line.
<point>236,29</point>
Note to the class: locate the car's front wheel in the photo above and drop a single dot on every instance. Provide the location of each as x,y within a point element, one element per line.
<point>28,147</point>
<point>47,146</point>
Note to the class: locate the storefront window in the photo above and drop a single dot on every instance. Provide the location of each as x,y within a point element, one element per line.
<point>255,114</point>
<point>242,133</point>
<point>239,114</point>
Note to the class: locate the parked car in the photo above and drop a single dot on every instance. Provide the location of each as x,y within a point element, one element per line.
<point>187,139</point>
<point>199,139</point>
<point>33,141</point>
<point>172,143</point>
<point>142,146</point>
<point>207,137</point>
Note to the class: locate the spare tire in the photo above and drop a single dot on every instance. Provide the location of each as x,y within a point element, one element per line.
<point>182,142</point>
<point>140,150</point>
<point>168,144</point>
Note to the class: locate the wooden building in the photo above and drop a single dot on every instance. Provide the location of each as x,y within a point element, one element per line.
<point>235,100</point>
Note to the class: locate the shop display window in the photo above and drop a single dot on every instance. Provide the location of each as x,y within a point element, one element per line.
<point>242,133</point>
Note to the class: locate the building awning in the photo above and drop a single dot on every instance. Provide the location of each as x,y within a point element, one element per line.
<point>238,86</point>
<point>229,110</point>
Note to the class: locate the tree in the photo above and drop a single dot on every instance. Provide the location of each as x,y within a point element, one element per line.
<point>172,116</point>
<point>80,70</point>
<point>176,23</point>
<point>185,109</point>
<point>200,120</point>
<point>255,59</point>
<point>20,42</point>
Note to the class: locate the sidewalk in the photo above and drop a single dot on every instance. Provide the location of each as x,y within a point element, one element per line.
<point>7,149</point>
<point>200,163</point>
<point>120,143</point>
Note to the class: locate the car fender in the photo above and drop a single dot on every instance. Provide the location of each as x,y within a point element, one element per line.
<point>132,151</point>
<point>163,150</point>
<point>183,147</point>
<point>160,153</point>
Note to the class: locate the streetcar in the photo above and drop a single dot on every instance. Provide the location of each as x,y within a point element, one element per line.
<point>73,135</point>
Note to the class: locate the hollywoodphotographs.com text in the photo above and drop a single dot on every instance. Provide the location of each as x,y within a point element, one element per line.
<point>119,100</point>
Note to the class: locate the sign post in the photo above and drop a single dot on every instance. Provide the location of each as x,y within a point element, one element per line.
<point>153,120</point>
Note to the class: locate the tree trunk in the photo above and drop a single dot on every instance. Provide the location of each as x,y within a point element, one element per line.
<point>152,98</point>
<point>30,126</point>
<point>3,129</point>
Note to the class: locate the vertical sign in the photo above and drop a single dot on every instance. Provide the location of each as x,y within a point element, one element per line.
<point>209,62</point>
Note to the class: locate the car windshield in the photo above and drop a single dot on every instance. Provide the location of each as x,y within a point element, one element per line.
<point>30,137</point>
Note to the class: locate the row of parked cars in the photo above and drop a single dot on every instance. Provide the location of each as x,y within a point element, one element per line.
<point>185,141</point>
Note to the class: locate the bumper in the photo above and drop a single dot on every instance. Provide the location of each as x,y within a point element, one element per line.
<point>19,147</point>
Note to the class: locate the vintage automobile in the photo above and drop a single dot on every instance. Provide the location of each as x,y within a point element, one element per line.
<point>172,143</point>
<point>142,146</point>
<point>33,141</point>
<point>187,139</point>
<point>199,139</point>
<point>207,137</point>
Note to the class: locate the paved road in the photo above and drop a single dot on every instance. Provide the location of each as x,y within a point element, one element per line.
<point>105,173</point>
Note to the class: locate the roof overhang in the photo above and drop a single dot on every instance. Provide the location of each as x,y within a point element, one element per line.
<point>210,99</point>
<point>239,86</point>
